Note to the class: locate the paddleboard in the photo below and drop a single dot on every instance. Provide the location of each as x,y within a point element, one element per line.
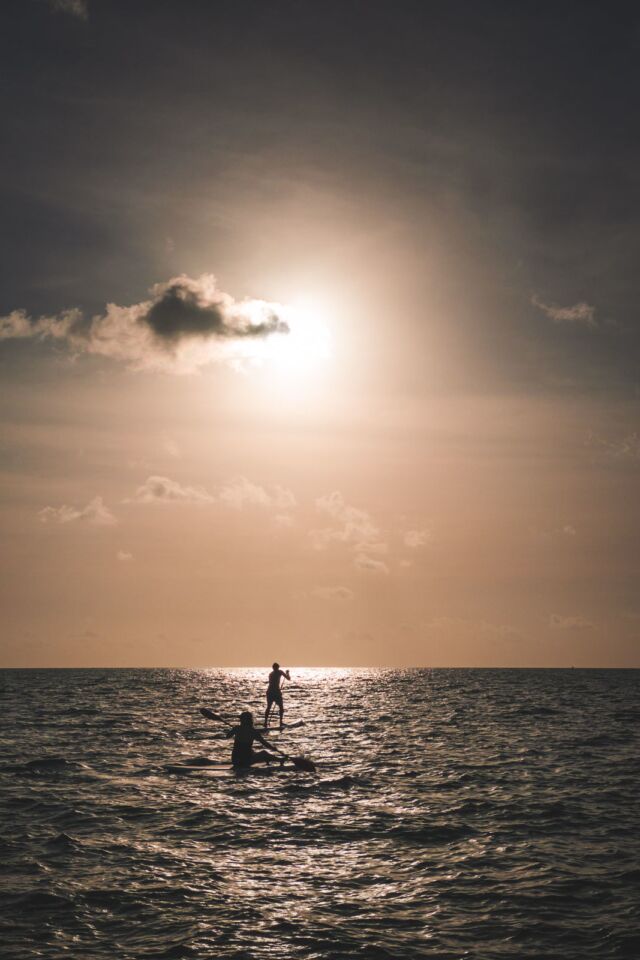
<point>287,726</point>
<point>223,769</point>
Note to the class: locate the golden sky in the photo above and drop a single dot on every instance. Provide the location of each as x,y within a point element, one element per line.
<point>305,357</point>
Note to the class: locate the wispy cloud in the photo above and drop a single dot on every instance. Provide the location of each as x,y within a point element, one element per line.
<point>158,489</point>
<point>353,527</point>
<point>362,561</point>
<point>416,538</point>
<point>623,448</point>
<point>565,530</point>
<point>460,626</point>
<point>242,493</point>
<point>349,524</point>
<point>17,325</point>
<point>238,494</point>
<point>579,313</point>
<point>77,8</point>
<point>558,622</point>
<point>124,556</point>
<point>185,324</point>
<point>283,520</point>
<point>171,448</point>
<point>96,513</point>
<point>333,593</point>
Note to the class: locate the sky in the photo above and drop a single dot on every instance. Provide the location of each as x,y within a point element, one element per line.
<point>319,334</point>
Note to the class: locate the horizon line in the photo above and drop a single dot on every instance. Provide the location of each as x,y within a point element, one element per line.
<point>330,667</point>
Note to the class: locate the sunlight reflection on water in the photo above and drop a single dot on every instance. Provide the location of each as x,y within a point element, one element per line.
<point>455,812</point>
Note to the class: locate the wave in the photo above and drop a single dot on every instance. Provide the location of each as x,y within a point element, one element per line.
<point>63,842</point>
<point>40,765</point>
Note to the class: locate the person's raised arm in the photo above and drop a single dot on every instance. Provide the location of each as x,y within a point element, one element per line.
<point>285,673</point>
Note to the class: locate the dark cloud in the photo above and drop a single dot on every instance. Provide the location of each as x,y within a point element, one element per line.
<point>178,313</point>
<point>187,308</point>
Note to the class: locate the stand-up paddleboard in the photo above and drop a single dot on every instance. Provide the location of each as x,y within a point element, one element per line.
<point>187,768</point>
<point>223,769</point>
<point>276,728</point>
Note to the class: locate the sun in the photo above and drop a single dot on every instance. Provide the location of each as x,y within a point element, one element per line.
<point>301,351</point>
<point>295,354</point>
<point>307,345</point>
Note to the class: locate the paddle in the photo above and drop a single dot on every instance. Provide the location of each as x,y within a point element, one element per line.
<point>300,763</point>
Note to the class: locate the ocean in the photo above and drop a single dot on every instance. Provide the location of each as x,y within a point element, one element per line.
<point>454,814</point>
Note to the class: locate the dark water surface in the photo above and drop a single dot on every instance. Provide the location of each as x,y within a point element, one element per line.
<point>455,813</point>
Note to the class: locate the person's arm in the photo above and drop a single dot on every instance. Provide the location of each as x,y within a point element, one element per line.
<point>230,732</point>
<point>285,674</point>
<point>265,743</point>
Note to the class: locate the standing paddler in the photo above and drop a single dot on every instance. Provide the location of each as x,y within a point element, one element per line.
<point>274,692</point>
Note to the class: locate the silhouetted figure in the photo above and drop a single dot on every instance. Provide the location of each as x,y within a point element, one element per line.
<point>274,692</point>
<point>244,735</point>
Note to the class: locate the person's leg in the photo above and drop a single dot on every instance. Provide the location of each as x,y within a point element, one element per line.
<point>281,709</point>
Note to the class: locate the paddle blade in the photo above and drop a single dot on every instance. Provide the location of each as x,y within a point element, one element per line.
<point>304,763</point>
<point>210,715</point>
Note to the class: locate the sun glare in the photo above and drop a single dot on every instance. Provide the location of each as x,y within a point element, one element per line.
<point>304,349</point>
<point>307,345</point>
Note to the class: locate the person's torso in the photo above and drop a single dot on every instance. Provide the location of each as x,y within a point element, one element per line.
<point>244,737</point>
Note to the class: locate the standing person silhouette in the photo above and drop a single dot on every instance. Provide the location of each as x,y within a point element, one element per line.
<point>274,692</point>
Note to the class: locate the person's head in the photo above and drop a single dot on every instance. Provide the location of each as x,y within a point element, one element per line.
<point>276,666</point>
<point>246,718</point>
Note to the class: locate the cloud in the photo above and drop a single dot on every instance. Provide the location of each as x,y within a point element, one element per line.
<point>416,538</point>
<point>95,513</point>
<point>557,622</point>
<point>184,307</point>
<point>363,561</point>
<point>123,556</point>
<point>185,324</point>
<point>157,489</point>
<point>580,313</point>
<point>77,8</point>
<point>242,492</point>
<point>333,593</point>
<point>283,520</point>
<point>171,448</point>
<point>18,325</point>
<point>238,494</point>
<point>352,527</point>
<point>626,448</point>
<point>459,626</point>
<point>550,533</point>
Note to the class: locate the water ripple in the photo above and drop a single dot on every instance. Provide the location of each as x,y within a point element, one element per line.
<point>455,813</point>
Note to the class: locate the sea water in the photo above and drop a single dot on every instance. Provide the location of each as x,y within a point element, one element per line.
<point>454,813</point>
